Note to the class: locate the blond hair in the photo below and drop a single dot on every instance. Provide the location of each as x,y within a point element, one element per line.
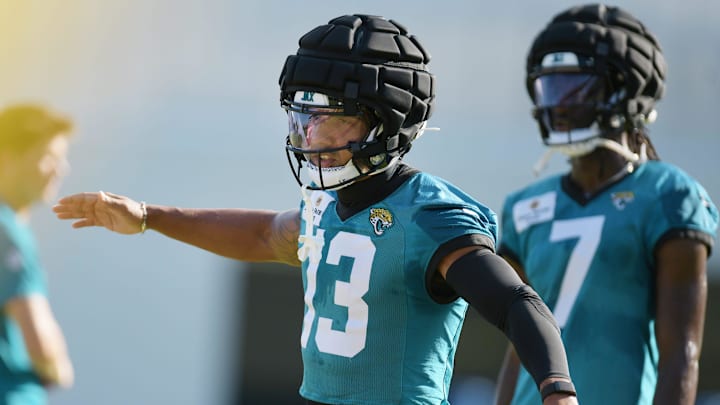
<point>23,125</point>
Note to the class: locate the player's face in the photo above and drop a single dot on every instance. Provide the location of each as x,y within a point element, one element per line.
<point>568,101</point>
<point>34,174</point>
<point>43,166</point>
<point>324,138</point>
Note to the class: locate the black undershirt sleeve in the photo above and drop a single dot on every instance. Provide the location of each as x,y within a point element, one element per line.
<point>492,287</point>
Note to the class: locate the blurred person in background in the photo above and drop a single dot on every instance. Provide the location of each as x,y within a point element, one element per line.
<point>618,246</point>
<point>33,353</point>
<point>385,249</point>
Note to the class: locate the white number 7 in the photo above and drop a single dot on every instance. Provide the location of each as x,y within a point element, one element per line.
<point>588,231</point>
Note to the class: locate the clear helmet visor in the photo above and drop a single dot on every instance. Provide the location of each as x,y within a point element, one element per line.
<point>568,101</point>
<point>325,137</point>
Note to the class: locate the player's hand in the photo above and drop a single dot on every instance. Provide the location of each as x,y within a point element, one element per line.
<point>115,212</point>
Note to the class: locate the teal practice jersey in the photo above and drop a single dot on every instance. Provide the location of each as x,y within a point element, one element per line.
<point>592,261</point>
<point>20,275</point>
<point>372,334</point>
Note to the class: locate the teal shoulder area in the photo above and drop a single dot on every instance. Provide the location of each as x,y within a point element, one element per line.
<point>541,186</point>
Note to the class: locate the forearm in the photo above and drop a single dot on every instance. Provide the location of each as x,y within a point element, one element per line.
<point>54,372</point>
<point>241,234</point>
<point>677,380</point>
<point>680,319</point>
<point>536,337</point>
<point>43,338</point>
<point>679,330</point>
<point>50,358</point>
<point>493,288</point>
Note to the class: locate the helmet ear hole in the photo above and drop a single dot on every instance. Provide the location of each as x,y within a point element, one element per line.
<point>651,116</point>
<point>377,160</point>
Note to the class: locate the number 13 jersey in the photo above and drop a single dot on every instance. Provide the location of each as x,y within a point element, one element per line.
<point>372,334</point>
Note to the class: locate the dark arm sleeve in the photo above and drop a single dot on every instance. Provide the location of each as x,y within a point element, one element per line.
<point>492,287</point>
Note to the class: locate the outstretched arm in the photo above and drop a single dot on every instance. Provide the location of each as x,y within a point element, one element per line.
<point>242,234</point>
<point>681,296</point>
<point>493,288</point>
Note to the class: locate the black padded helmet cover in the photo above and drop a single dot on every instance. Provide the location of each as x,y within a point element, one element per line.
<point>371,61</point>
<point>615,39</point>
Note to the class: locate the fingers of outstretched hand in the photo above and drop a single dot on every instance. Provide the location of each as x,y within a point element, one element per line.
<point>68,214</point>
<point>112,211</point>
<point>83,223</point>
<point>76,205</point>
<point>82,198</point>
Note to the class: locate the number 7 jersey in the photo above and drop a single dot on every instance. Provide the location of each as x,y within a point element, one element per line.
<point>372,334</point>
<point>592,261</point>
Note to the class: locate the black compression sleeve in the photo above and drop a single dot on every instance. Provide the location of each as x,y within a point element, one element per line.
<point>492,287</point>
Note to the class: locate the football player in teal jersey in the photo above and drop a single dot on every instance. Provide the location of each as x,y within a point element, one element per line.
<point>618,246</point>
<point>386,251</point>
<point>33,353</point>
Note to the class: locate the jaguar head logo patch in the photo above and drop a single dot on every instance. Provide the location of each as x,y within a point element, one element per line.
<point>381,220</point>
<point>622,198</point>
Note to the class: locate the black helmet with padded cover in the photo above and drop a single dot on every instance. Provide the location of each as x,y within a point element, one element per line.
<point>615,46</point>
<point>365,63</point>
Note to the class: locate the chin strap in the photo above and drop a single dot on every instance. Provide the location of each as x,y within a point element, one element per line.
<point>621,149</point>
<point>311,245</point>
<point>583,148</point>
<point>540,165</point>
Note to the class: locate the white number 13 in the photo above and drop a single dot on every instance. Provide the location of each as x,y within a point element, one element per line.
<point>351,341</point>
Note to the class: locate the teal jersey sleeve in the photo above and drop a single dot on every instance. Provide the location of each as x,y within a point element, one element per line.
<point>20,271</point>
<point>447,213</point>
<point>508,236</point>
<point>443,223</point>
<point>683,209</point>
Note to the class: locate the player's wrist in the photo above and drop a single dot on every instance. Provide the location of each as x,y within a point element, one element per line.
<point>557,387</point>
<point>143,222</point>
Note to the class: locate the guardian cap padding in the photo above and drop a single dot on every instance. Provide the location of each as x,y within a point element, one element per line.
<point>620,45</point>
<point>367,61</point>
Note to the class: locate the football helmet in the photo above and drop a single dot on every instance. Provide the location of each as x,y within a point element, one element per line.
<point>364,68</point>
<point>594,72</point>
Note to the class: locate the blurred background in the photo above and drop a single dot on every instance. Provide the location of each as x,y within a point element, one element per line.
<point>176,103</point>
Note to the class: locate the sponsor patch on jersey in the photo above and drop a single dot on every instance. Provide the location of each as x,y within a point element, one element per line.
<point>381,220</point>
<point>534,210</point>
<point>622,198</point>
<point>319,201</point>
